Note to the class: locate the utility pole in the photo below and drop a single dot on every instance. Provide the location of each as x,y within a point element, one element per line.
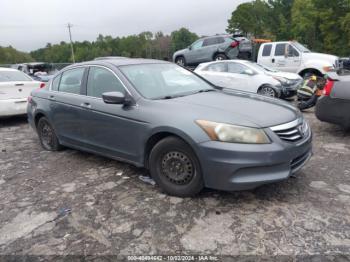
<point>71,43</point>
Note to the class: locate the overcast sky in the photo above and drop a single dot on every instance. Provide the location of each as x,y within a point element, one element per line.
<point>30,24</point>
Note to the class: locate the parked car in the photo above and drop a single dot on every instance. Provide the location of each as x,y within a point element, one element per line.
<point>346,63</point>
<point>250,77</point>
<point>294,57</point>
<point>15,87</point>
<point>218,47</point>
<point>158,115</point>
<point>334,105</point>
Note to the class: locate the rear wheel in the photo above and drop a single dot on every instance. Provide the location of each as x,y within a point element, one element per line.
<point>180,61</point>
<point>47,136</point>
<point>175,168</point>
<point>267,90</point>
<point>219,57</point>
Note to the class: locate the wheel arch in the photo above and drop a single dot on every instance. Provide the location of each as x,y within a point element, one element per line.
<point>37,116</point>
<point>310,70</point>
<point>277,90</point>
<point>159,135</point>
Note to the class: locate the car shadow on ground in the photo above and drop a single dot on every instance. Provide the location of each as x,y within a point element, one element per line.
<point>12,121</point>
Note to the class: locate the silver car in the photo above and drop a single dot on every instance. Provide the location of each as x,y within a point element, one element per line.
<point>218,47</point>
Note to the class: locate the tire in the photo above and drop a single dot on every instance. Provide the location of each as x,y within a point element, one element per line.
<point>219,57</point>
<point>47,136</point>
<point>181,61</point>
<point>175,168</point>
<point>267,90</point>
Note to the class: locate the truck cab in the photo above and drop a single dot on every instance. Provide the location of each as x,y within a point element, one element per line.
<point>291,56</point>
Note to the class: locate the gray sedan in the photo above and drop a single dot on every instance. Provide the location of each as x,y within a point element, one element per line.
<point>158,115</point>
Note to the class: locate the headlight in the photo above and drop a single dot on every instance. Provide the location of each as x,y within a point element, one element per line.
<point>282,80</point>
<point>233,134</point>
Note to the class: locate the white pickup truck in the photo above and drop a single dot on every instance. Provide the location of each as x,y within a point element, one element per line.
<point>294,57</point>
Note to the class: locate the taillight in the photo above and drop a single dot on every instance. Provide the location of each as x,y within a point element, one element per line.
<point>234,44</point>
<point>42,85</point>
<point>328,87</point>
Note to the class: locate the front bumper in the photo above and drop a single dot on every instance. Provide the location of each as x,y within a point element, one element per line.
<point>233,167</point>
<point>12,107</point>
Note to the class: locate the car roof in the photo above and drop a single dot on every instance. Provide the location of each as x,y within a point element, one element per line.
<point>219,35</point>
<point>123,62</point>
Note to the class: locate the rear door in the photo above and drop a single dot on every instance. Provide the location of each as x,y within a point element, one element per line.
<point>67,104</point>
<point>210,46</point>
<point>16,85</point>
<point>265,55</point>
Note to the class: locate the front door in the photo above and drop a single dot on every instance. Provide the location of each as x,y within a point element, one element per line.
<point>293,59</point>
<point>195,54</point>
<point>109,129</point>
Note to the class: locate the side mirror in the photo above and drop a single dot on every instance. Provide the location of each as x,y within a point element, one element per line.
<point>248,72</point>
<point>189,47</point>
<point>115,98</point>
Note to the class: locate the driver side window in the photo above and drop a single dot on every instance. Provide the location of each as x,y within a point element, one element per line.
<point>197,45</point>
<point>292,52</point>
<point>100,81</point>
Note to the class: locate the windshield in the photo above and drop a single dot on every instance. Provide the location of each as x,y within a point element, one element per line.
<point>301,48</point>
<point>156,81</point>
<point>11,76</point>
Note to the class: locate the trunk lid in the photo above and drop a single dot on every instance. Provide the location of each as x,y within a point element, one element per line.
<point>17,89</point>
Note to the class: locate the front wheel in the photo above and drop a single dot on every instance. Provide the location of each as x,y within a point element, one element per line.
<point>267,90</point>
<point>175,168</point>
<point>220,57</point>
<point>180,61</point>
<point>47,136</point>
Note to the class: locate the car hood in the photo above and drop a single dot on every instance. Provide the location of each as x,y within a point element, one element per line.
<point>287,75</point>
<point>181,51</point>
<point>238,108</point>
<point>317,56</point>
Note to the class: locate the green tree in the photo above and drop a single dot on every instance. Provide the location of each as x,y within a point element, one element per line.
<point>182,38</point>
<point>251,18</point>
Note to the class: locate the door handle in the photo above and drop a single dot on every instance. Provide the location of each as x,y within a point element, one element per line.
<point>19,84</point>
<point>86,105</point>
<point>52,97</point>
<point>273,60</point>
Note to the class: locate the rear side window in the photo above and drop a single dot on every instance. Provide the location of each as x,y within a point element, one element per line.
<point>267,50</point>
<point>236,68</point>
<point>100,81</point>
<point>217,67</point>
<point>210,41</point>
<point>71,81</point>
<point>280,49</point>
<point>55,83</point>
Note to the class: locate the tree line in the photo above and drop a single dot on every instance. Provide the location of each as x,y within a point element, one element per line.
<point>323,25</point>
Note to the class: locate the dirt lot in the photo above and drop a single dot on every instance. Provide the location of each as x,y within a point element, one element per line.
<point>74,203</point>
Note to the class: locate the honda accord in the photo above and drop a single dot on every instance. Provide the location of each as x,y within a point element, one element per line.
<point>188,133</point>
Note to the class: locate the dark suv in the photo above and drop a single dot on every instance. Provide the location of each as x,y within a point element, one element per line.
<point>218,47</point>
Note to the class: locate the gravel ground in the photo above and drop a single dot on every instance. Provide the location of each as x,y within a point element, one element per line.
<point>74,203</point>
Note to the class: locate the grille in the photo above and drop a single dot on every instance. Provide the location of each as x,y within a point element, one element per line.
<point>291,132</point>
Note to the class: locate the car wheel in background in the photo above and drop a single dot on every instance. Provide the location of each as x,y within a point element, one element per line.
<point>180,61</point>
<point>219,57</point>
<point>47,136</point>
<point>267,90</point>
<point>175,168</point>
